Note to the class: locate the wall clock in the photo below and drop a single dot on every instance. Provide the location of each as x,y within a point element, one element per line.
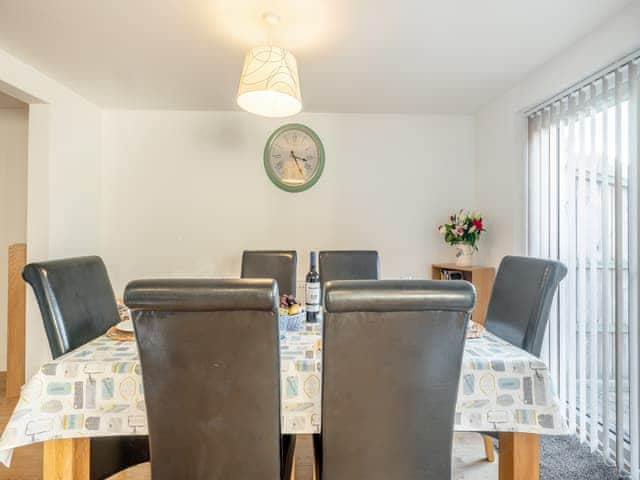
<point>294,157</point>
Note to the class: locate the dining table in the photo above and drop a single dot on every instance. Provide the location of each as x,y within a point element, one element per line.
<point>96,390</point>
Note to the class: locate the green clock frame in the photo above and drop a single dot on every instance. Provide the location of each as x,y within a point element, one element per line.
<point>267,164</point>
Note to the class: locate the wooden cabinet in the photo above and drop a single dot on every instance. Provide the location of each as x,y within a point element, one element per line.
<point>481,277</point>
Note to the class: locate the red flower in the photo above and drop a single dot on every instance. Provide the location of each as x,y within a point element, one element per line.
<point>478,224</point>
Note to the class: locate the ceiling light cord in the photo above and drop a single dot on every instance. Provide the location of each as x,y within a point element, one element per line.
<point>272,20</point>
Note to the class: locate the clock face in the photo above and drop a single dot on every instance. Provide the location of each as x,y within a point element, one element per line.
<point>294,157</point>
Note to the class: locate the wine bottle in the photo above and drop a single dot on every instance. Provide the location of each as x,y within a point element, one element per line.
<point>312,290</point>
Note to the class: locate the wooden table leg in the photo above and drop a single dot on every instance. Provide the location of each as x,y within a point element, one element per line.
<point>66,459</point>
<point>488,448</point>
<point>519,456</point>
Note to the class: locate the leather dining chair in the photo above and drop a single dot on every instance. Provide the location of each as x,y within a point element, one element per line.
<point>209,352</point>
<point>77,304</point>
<point>278,264</point>
<point>519,306</point>
<point>349,265</point>
<point>391,367</point>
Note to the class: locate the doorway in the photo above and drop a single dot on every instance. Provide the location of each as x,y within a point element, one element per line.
<point>14,128</point>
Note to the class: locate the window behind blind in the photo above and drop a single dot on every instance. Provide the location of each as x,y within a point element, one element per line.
<point>583,206</point>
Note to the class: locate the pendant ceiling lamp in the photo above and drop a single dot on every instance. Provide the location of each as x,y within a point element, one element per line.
<point>269,84</point>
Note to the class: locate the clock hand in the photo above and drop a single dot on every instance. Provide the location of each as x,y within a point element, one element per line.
<point>297,158</point>
<point>297,164</point>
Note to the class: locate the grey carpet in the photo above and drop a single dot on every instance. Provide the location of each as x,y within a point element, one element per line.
<point>565,458</point>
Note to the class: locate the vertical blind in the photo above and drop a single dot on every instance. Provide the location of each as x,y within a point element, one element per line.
<point>583,206</point>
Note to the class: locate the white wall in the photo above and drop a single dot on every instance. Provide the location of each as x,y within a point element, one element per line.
<point>185,192</point>
<point>13,201</point>
<point>63,178</point>
<point>500,146</point>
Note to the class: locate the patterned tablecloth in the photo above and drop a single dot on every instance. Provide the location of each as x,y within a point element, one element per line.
<point>96,390</point>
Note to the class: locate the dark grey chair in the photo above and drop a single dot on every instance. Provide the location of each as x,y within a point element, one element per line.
<point>209,353</point>
<point>521,299</point>
<point>391,368</point>
<point>520,303</point>
<point>280,265</point>
<point>77,304</point>
<point>349,265</point>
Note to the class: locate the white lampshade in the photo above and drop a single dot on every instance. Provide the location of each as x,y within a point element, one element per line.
<point>269,84</point>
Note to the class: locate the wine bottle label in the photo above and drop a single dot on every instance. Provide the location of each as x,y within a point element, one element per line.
<point>312,296</point>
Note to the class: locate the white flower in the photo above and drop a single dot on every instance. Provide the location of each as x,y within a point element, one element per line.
<point>472,229</point>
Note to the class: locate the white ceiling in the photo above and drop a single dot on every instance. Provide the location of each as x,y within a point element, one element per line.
<point>9,102</point>
<point>353,55</point>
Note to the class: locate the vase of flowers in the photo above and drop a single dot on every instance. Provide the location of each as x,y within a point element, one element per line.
<point>463,232</point>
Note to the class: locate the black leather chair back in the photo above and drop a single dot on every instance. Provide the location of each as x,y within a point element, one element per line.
<point>76,300</point>
<point>392,357</point>
<point>77,304</point>
<point>280,265</point>
<point>210,367</point>
<point>349,265</point>
<point>521,299</point>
